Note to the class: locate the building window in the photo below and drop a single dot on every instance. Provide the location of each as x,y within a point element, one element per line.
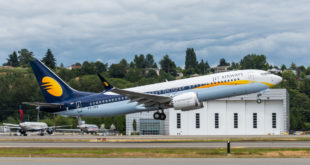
<point>254,120</point>
<point>178,120</point>
<point>235,120</point>
<point>197,120</point>
<point>274,120</point>
<point>216,120</point>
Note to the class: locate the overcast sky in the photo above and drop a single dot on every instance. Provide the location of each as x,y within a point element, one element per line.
<point>109,30</point>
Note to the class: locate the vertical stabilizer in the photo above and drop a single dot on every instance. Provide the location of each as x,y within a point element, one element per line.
<point>53,88</point>
<point>21,114</point>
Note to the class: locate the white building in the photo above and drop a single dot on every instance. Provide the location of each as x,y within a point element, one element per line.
<point>240,115</point>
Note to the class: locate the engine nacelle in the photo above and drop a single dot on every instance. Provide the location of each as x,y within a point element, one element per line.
<point>186,101</point>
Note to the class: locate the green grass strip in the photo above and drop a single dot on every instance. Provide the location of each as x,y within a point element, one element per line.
<point>156,153</point>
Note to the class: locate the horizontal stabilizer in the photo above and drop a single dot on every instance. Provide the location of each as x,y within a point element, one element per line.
<point>39,104</point>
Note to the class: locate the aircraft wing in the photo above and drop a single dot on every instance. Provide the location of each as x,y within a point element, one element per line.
<point>14,126</point>
<point>61,126</point>
<point>49,105</point>
<point>143,98</point>
<point>68,130</point>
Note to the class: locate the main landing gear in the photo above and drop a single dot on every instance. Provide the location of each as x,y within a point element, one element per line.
<point>159,115</point>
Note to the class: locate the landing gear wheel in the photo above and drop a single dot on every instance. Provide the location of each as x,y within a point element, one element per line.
<point>156,115</point>
<point>162,116</point>
<point>259,101</point>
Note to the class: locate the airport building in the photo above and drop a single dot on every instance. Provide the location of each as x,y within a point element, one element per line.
<point>239,115</point>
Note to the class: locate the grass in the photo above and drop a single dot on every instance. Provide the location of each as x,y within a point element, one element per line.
<point>155,153</point>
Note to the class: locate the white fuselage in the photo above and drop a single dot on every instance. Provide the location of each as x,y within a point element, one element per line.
<point>206,87</point>
<point>33,126</point>
<point>88,128</point>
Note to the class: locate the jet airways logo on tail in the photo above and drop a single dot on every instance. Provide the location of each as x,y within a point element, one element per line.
<point>51,86</point>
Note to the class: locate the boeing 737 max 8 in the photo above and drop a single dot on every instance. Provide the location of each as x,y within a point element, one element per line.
<point>184,94</point>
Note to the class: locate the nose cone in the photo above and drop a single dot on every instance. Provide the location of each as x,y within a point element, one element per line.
<point>276,79</point>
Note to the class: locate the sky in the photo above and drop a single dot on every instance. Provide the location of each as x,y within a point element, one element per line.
<point>109,30</point>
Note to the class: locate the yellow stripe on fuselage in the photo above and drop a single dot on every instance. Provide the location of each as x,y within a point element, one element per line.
<point>237,82</point>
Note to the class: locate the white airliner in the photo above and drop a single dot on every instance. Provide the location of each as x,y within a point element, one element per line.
<point>87,128</point>
<point>83,128</point>
<point>25,127</point>
<point>184,94</point>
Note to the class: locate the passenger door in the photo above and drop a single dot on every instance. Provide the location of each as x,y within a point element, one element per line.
<point>79,106</point>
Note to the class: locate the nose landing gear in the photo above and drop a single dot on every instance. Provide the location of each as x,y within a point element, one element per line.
<point>258,98</point>
<point>159,115</point>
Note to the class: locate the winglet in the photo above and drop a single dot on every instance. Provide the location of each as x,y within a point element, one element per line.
<point>107,86</point>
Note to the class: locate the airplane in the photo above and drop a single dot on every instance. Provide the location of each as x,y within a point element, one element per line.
<point>25,127</point>
<point>87,128</point>
<point>184,94</point>
<point>83,128</point>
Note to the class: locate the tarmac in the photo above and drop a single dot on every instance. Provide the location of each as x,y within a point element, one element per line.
<point>91,141</point>
<point>154,161</point>
<point>33,144</point>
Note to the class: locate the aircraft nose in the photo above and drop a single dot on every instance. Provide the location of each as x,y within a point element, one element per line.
<point>277,79</point>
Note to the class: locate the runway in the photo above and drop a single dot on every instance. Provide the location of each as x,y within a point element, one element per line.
<point>27,144</point>
<point>152,161</point>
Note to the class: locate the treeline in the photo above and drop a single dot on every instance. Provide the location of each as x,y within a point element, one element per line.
<point>18,84</point>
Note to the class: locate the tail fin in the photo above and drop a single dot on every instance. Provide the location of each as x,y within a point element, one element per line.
<point>53,88</point>
<point>21,114</point>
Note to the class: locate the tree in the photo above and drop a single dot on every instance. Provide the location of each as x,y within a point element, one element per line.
<point>190,59</point>
<point>253,61</point>
<point>87,68</point>
<point>25,57</point>
<point>49,59</point>
<point>100,67</point>
<point>134,125</point>
<point>139,61</point>
<point>235,65</point>
<point>13,60</point>
<point>203,67</point>
<point>289,80</point>
<point>149,61</point>
<point>123,63</point>
<point>168,66</point>
<point>293,66</point>
<point>223,62</point>
<point>283,67</point>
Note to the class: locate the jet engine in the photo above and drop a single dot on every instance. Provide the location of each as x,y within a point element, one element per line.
<point>186,101</point>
